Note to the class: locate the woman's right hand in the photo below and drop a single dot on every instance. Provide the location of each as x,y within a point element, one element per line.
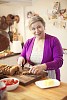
<point>21,61</point>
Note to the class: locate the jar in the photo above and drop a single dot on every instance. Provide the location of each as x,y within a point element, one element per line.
<point>3,91</point>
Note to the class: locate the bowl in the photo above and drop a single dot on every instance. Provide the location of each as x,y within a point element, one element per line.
<point>11,83</point>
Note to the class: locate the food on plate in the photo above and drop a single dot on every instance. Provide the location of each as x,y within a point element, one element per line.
<point>48,82</point>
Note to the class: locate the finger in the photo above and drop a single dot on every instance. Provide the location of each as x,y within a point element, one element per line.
<point>20,69</point>
<point>31,69</point>
<point>23,62</point>
<point>19,62</point>
<point>35,71</point>
<point>38,72</point>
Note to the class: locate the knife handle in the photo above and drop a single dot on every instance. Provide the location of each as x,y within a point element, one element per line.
<point>22,65</point>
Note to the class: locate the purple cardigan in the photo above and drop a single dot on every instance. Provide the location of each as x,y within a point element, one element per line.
<point>52,53</point>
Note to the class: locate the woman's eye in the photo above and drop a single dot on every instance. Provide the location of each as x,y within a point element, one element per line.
<point>36,28</point>
<point>33,28</point>
<point>39,27</point>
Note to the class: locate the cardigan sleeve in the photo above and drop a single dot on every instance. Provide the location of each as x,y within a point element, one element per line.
<point>26,47</point>
<point>57,55</point>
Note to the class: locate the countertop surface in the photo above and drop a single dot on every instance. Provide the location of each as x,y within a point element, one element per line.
<point>32,92</point>
<point>6,55</point>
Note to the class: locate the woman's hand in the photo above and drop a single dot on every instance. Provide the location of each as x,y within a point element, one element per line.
<point>21,61</point>
<point>37,69</point>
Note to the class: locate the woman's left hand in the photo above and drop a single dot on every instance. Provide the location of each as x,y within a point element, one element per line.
<point>37,69</point>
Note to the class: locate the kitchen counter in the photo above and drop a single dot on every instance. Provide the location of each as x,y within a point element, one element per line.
<point>9,55</point>
<point>10,59</point>
<point>32,92</point>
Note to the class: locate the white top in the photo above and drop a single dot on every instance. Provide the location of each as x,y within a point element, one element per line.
<point>37,51</point>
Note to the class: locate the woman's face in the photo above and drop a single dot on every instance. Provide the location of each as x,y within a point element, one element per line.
<point>37,29</point>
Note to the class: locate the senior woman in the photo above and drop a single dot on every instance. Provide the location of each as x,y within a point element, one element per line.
<point>43,51</point>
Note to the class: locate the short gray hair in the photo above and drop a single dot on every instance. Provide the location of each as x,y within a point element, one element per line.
<point>36,19</point>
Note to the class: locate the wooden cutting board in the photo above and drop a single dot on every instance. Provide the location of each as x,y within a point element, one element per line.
<point>27,79</point>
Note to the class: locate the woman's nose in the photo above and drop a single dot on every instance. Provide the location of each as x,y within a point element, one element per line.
<point>36,30</point>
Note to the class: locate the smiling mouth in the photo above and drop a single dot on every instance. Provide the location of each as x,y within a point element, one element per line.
<point>38,34</point>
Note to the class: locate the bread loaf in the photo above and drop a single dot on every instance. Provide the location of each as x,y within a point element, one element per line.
<point>13,70</point>
<point>8,70</point>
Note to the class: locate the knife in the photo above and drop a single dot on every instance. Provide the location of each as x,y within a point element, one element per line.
<point>21,67</point>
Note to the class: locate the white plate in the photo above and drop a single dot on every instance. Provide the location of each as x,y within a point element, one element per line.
<point>13,86</point>
<point>42,83</point>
